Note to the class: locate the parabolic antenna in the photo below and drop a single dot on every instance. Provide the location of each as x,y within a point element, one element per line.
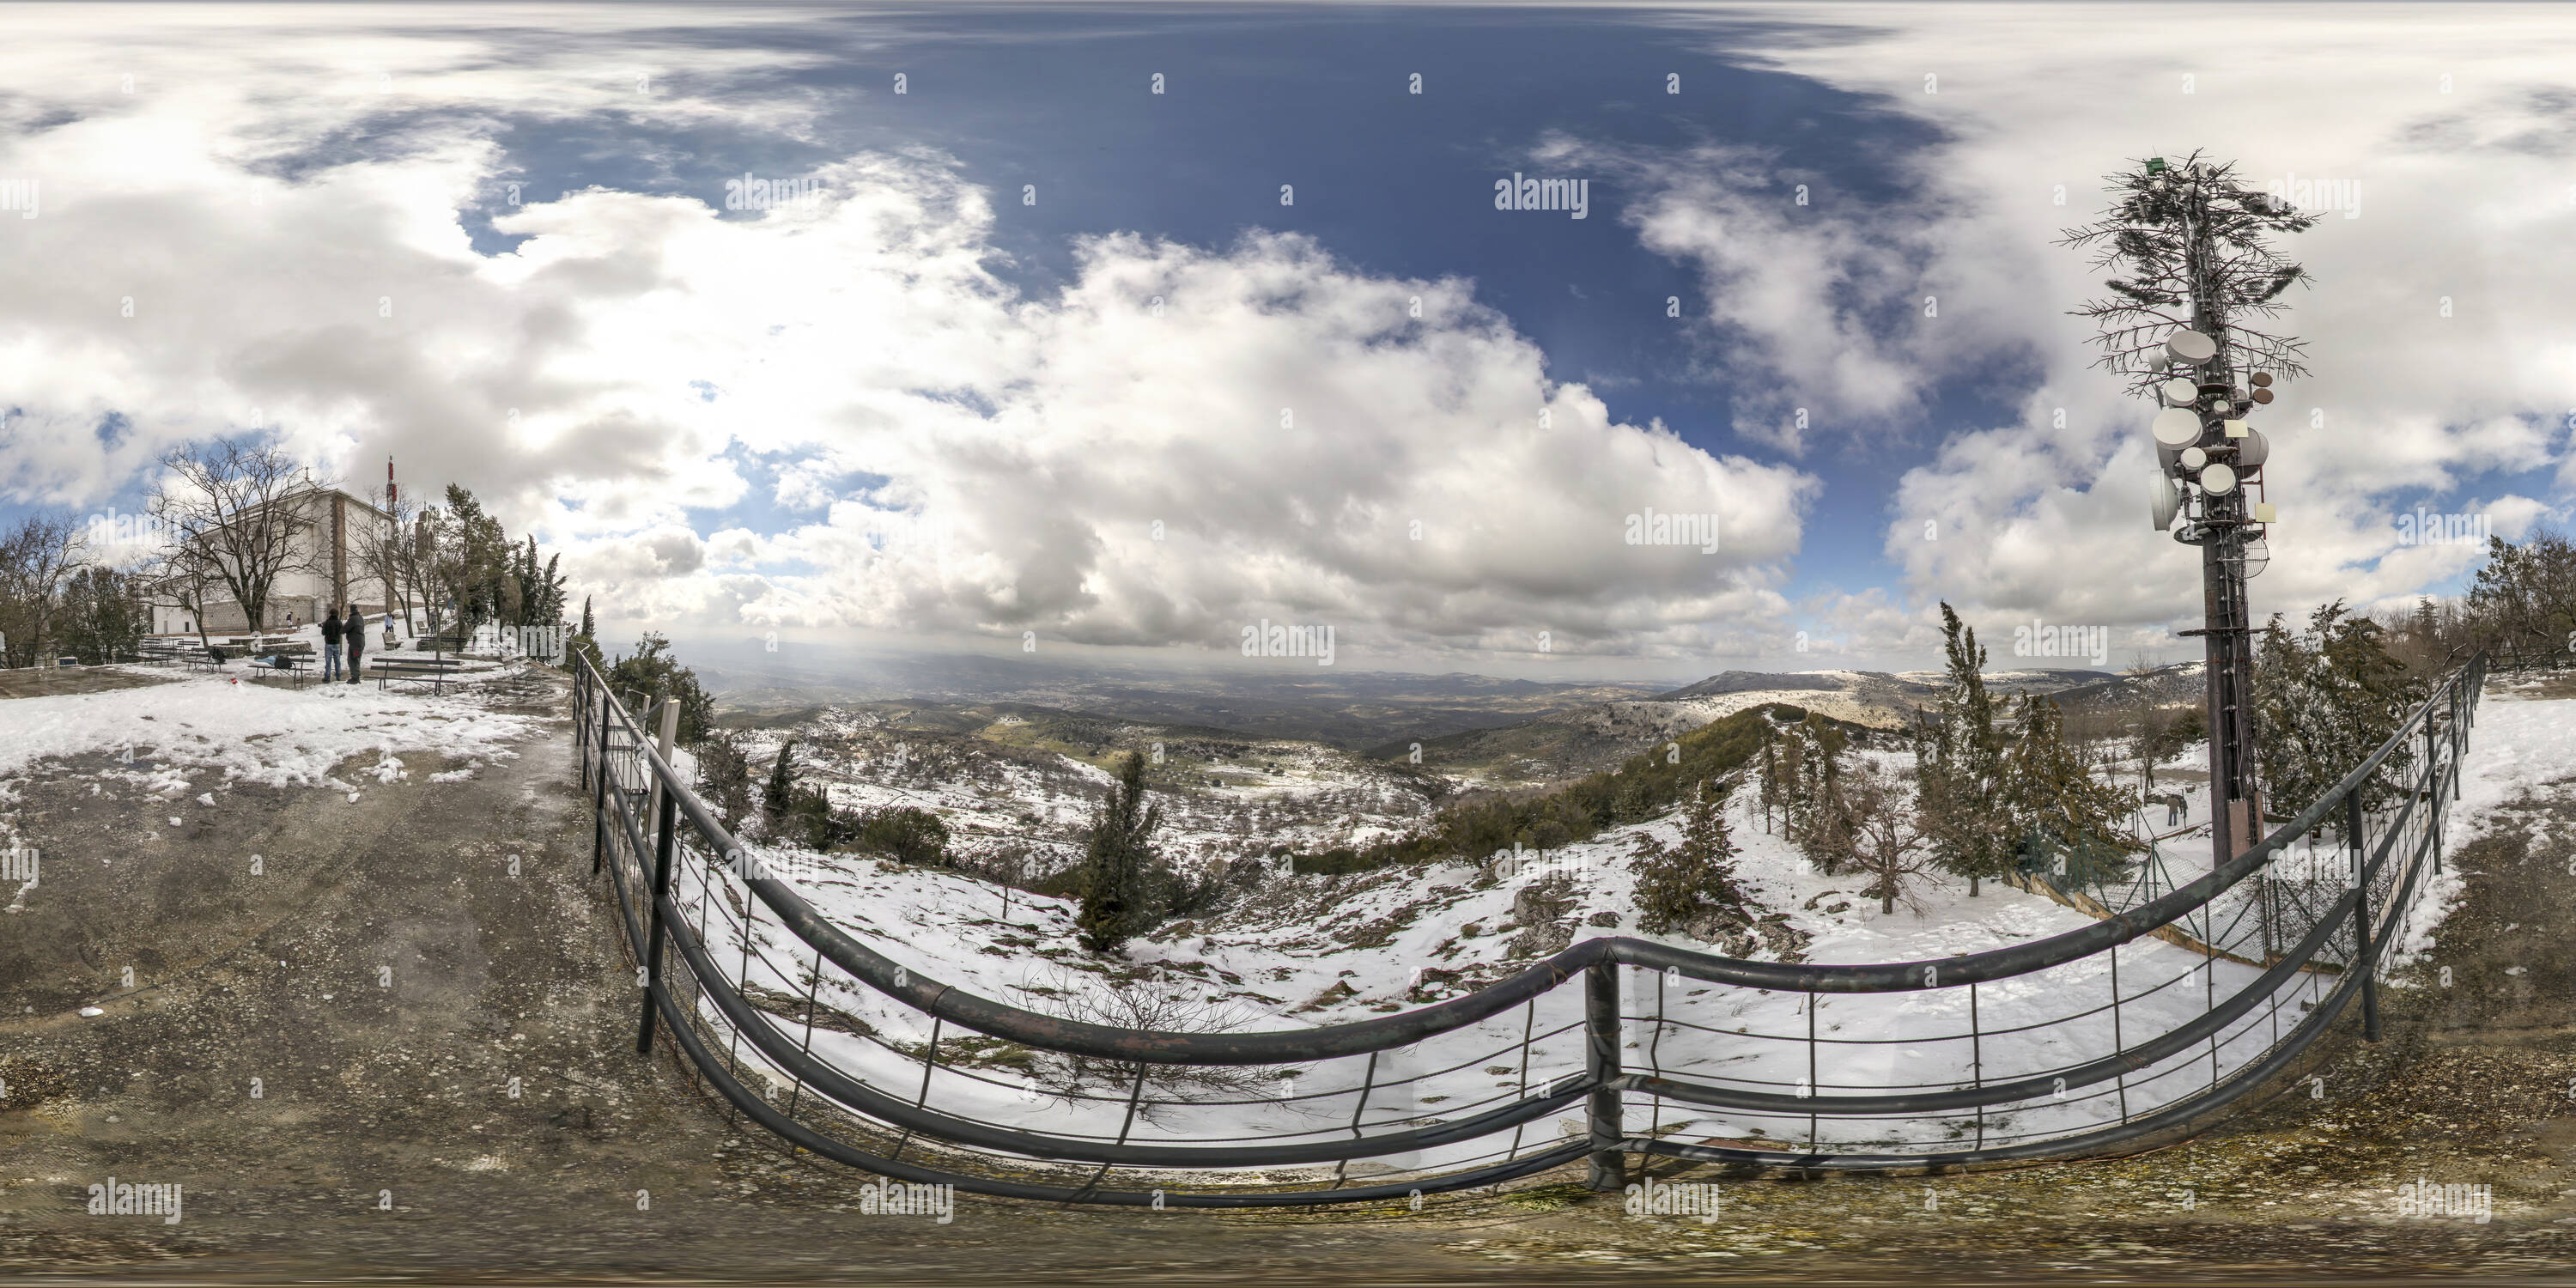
<point>2193,458</point>
<point>2180,392</point>
<point>2262,395</point>
<point>2258,553</point>
<point>2177,427</point>
<point>2261,379</point>
<point>2164,499</point>
<point>2218,480</point>
<point>2252,450</point>
<point>2191,347</point>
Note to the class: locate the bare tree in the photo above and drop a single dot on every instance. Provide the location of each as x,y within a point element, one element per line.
<point>231,511</point>
<point>395,552</point>
<point>36,558</point>
<point>2148,722</point>
<point>1881,830</point>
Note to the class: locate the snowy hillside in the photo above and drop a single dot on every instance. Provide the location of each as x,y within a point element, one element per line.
<point>1222,798</point>
<point>1286,952</point>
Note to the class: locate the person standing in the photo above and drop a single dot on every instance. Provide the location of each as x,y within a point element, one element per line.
<point>331,646</point>
<point>355,631</point>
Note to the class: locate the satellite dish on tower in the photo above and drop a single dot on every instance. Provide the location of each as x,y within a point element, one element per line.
<point>2252,450</point>
<point>2164,499</point>
<point>2176,427</point>
<point>2180,392</point>
<point>2191,347</point>
<point>2193,458</point>
<point>2218,480</point>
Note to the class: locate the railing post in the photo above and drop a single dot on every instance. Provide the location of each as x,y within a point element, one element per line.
<point>2361,916</point>
<point>599,790</point>
<point>2432,797</point>
<point>1608,1173</point>
<point>653,942</point>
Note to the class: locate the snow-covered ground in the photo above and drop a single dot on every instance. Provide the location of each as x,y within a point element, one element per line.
<point>2522,744</point>
<point>1277,792</point>
<point>1287,952</point>
<point>1290,952</point>
<point>208,730</point>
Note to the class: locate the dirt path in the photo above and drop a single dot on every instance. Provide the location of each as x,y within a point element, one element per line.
<point>385,977</point>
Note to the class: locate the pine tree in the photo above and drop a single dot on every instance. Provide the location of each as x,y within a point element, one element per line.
<point>2324,699</point>
<point>724,779</point>
<point>2050,795</point>
<point>778,795</point>
<point>1683,884</point>
<point>1959,755</point>
<point>1116,901</point>
<point>1818,821</point>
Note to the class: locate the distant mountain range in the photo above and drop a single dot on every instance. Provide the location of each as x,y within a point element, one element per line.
<point>1484,726</point>
<point>1581,740</point>
<point>1343,709</point>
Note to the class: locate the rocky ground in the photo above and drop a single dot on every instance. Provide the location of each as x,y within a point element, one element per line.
<point>325,1055</point>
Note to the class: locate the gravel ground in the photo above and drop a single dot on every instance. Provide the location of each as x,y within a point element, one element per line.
<point>385,978</point>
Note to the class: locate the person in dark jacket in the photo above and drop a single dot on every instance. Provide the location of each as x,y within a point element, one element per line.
<point>331,646</point>
<point>354,633</point>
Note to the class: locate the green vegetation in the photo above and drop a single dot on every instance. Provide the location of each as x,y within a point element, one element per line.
<point>2324,699</point>
<point>1641,787</point>
<point>1960,765</point>
<point>1686,884</point>
<point>1117,894</point>
<point>654,672</point>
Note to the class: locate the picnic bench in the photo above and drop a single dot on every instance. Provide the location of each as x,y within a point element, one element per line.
<point>297,656</point>
<point>432,671</point>
<point>163,652</point>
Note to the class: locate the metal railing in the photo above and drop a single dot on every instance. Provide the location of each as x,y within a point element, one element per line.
<point>838,1048</point>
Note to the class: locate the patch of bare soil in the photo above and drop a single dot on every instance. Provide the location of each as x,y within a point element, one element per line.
<point>30,683</point>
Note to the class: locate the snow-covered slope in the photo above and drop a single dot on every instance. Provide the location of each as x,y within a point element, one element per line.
<point>1288,952</point>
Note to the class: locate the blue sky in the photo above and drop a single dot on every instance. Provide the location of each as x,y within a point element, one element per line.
<point>925,407</point>
<point>1395,183</point>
